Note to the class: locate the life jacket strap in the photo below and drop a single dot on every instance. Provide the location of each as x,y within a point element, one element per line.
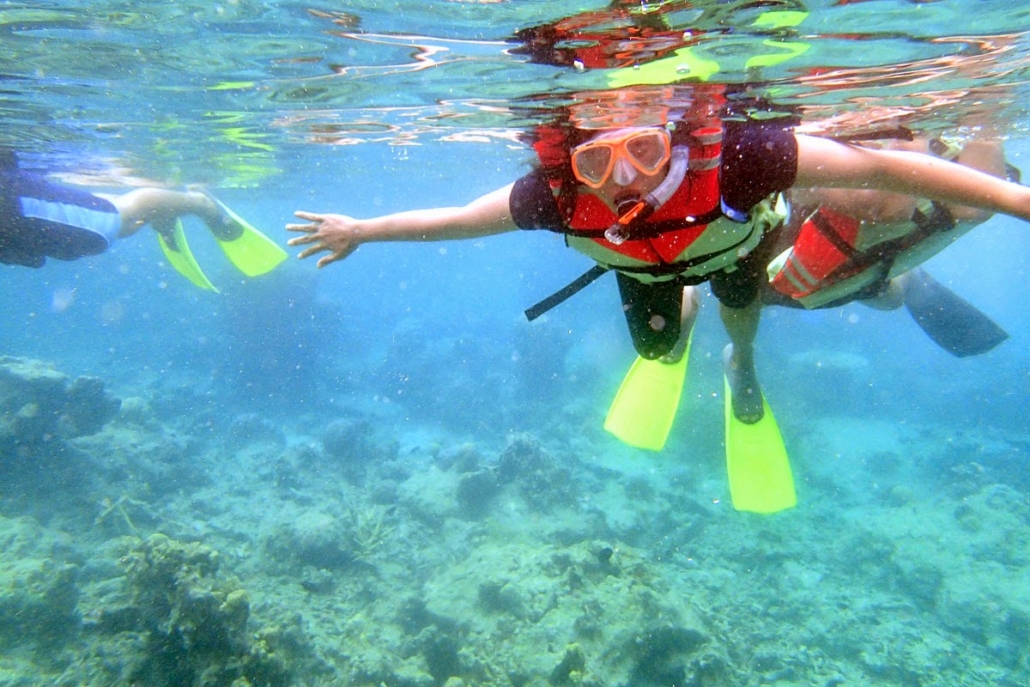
<point>937,220</point>
<point>568,291</point>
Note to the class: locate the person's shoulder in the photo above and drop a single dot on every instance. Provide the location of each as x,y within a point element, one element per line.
<point>533,204</point>
<point>759,158</point>
<point>532,183</point>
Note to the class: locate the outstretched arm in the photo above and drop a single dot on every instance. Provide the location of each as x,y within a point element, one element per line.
<point>826,163</point>
<point>341,235</point>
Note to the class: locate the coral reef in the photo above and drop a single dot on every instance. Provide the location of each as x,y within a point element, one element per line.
<point>194,623</point>
<point>323,541</point>
<point>44,413</point>
<point>352,446</point>
<point>315,538</point>
<point>38,595</point>
<point>541,479</point>
<point>255,553</point>
<point>39,404</point>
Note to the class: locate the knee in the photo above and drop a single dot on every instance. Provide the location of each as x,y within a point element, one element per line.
<point>657,340</point>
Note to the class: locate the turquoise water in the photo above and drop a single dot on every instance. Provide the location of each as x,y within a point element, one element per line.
<point>380,474</point>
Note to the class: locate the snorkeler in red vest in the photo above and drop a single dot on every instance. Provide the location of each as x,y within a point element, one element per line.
<point>629,171</point>
<point>842,246</point>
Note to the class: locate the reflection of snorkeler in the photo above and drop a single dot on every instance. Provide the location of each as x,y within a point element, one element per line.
<point>666,42</point>
<point>621,35</point>
<point>40,220</point>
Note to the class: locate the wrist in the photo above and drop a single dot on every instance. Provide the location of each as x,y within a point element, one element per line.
<point>358,231</point>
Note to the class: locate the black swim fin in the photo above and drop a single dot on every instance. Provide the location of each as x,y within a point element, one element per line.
<point>952,322</point>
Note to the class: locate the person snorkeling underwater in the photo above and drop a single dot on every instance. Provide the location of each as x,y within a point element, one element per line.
<point>842,246</point>
<point>40,219</point>
<point>666,216</point>
<point>667,202</point>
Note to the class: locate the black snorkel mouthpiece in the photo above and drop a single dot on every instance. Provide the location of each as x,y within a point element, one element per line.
<point>633,212</point>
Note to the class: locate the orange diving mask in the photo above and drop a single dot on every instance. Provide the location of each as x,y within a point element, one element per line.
<point>646,149</point>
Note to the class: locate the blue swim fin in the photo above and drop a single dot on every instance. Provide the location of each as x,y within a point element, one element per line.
<point>952,322</point>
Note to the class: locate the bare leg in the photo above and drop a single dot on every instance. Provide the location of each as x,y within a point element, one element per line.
<point>691,305</point>
<point>160,207</point>
<point>739,360</point>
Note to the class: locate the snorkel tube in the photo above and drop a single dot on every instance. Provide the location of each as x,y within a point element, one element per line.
<point>639,210</point>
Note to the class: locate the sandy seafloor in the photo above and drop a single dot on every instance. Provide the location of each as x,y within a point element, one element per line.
<point>173,549</point>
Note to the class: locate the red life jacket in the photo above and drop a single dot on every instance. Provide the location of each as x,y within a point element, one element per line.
<point>674,226</point>
<point>825,262</point>
<point>824,245</point>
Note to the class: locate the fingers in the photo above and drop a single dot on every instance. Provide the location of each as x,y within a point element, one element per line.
<point>308,252</point>
<point>302,240</point>
<point>312,236</point>
<point>320,248</point>
<point>330,259</point>
<point>314,219</point>
<point>338,255</point>
<point>309,229</point>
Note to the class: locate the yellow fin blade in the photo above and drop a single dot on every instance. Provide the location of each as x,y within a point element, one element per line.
<point>645,405</point>
<point>250,251</point>
<point>756,460</point>
<point>181,258</point>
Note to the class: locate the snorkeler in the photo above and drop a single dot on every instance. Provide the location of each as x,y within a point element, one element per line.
<point>843,246</point>
<point>40,219</point>
<point>668,207</point>
<point>671,201</point>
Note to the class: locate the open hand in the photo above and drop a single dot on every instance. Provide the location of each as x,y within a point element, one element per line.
<point>332,233</point>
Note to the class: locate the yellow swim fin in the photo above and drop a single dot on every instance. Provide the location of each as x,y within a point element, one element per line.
<point>248,249</point>
<point>179,256</point>
<point>645,406</point>
<point>756,460</point>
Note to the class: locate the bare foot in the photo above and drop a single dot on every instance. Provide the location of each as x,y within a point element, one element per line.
<point>748,406</point>
<point>893,297</point>
<point>214,216</point>
<point>676,354</point>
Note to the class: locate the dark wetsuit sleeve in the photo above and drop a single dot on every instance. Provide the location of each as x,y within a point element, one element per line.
<point>533,205</point>
<point>758,158</point>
